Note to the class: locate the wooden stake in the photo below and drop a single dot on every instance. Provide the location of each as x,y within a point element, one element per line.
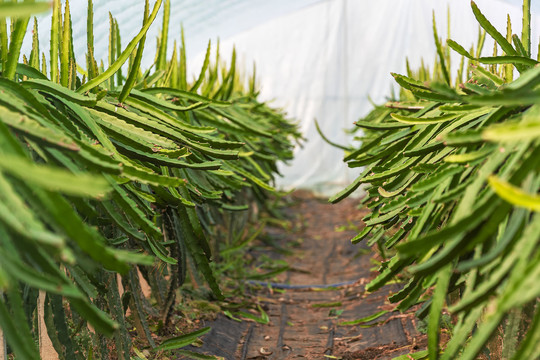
<point>3,347</point>
<point>46,348</point>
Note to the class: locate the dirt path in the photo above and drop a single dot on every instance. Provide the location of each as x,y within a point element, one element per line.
<point>323,288</point>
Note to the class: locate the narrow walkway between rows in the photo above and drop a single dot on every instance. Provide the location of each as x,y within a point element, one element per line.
<point>323,288</point>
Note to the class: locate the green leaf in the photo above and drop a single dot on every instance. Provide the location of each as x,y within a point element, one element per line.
<point>392,172</point>
<point>512,132</point>
<point>529,345</point>
<point>54,39</point>
<point>490,29</point>
<point>380,126</point>
<point>18,217</point>
<point>17,336</point>
<point>362,235</point>
<point>463,137</point>
<point>514,195</point>
<point>409,83</point>
<point>149,100</point>
<point>260,320</point>
<point>24,273</point>
<point>480,73</point>
<point>167,161</point>
<point>183,340</point>
<point>437,237</point>
<point>97,318</point>
<point>131,257</point>
<point>527,81</point>
<point>161,61</point>
<point>28,71</point>
<point>65,50</point>
<point>469,157</point>
<point>129,207</point>
<point>249,176</point>
<point>482,335</point>
<point>58,90</point>
<point>526,27</point>
<point>411,120</point>
<point>146,176</point>
<point>328,141</point>
<point>54,179</point>
<point>143,137</point>
<point>15,44</point>
<point>460,108</point>
<point>123,56</point>
<point>183,226</point>
<point>442,58</point>
<point>187,95</point>
<point>205,65</point>
<point>435,311</point>
<point>364,320</point>
<point>23,9</point>
<point>135,67</point>
<point>459,49</point>
<point>520,60</point>
<point>196,356</point>
<point>394,266</point>
<point>349,189</point>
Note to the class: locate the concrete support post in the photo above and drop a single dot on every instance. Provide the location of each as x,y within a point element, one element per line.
<point>46,348</point>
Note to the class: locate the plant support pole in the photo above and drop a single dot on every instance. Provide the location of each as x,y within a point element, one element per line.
<point>46,348</point>
<point>345,70</point>
<point>3,347</point>
<point>3,350</point>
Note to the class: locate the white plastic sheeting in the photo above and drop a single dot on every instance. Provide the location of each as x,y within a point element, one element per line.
<point>325,60</point>
<point>316,59</point>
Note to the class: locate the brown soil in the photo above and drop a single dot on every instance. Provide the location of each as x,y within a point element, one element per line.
<point>305,322</point>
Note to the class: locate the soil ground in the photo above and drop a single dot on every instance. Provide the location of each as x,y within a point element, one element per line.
<point>324,287</point>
